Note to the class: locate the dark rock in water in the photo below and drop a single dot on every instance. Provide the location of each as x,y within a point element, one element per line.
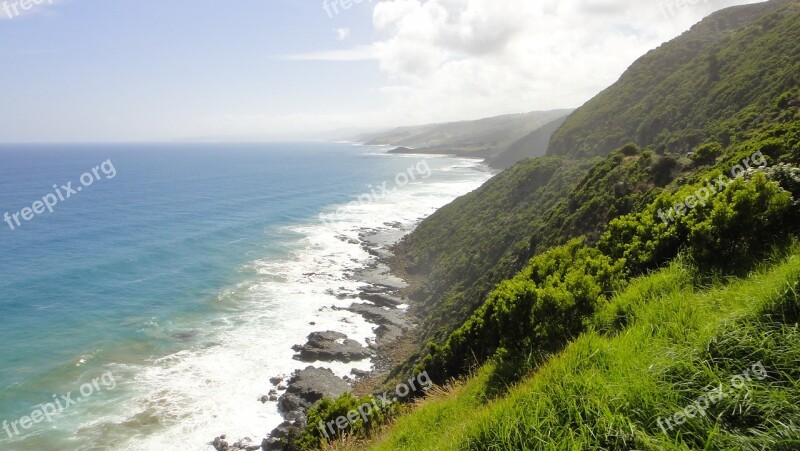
<point>296,416</point>
<point>359,373</point>
<point>331,346</point>
<point>281,387</point>
<point>273,392</point>
<point>310,385</point>
<point>276,380</point>
<point>391,322</point>
<point>312,323</point>
<point>246,444</point>
<point>286,432</point>
<point>264,399</point>
<point>289,403</point>
<point>271,444</point>
<point>273,398</point>
<point>382,300</point>
<point>220,444</point>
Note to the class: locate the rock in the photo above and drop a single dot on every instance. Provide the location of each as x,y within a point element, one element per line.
<point>271,444</point>
<point>264,399</point>
<point>310,385</point>
<point>289,402</point>
<point>274,392</point>
<point>286,430</point>
<point>359,373</point>
<point>382,299</point>
<point>391,323</point>
<point>282,387</point>
<point>220,444</point>
<point>296,416</point>
<point>273,398</point>
<point>312,323</point>
<point>276,380</point>
<point>331,346</point>
<point>246,444</point>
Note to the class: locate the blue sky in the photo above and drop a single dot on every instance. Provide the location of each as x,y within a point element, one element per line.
<point>114,70</point>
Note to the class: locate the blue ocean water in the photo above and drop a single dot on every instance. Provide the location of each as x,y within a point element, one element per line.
<point>154,271</point>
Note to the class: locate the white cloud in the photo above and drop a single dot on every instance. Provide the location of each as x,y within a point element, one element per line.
<point>461,59</point>
<point>342,33</point>
<point>471,58</point>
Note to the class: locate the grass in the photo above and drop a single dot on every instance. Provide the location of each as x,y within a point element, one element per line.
<point>653,350</point>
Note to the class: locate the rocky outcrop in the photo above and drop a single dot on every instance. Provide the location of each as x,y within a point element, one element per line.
<point>306,387</point>
<point>331,346</point>
<point>391,322</point>
<point>220,444</point>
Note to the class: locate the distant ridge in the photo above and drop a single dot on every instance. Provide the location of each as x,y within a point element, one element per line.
<point>482,138</point>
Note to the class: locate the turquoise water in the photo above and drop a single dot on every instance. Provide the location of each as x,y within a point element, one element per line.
<point>171,262</point>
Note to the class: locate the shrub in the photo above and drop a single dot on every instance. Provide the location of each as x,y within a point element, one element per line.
<point>707,153</point>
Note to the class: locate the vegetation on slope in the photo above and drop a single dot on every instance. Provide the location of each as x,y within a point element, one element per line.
<point>531,146</point>
<point>594,342</point>
<point>457,256</point>
<point>715,82</point>
<point>654,350</point>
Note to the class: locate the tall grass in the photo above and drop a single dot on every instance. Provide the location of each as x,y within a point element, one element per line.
<point>653,350</point>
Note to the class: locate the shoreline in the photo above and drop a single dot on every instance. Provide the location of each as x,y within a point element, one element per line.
<point>381,301</point>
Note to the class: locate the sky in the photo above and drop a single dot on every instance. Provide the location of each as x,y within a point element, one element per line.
<point>156,70</point>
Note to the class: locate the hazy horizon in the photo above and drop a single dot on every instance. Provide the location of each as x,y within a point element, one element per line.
<point>130,72</point>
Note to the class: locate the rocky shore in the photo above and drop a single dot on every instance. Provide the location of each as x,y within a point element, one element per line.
<point>380,302</point>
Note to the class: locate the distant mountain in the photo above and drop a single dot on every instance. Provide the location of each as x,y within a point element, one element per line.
<point>533,145</point>
<point>481,139</point>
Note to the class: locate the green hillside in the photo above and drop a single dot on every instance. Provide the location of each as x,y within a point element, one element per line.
<point>533,145</point>
<point>581,299</point>
<point>715,82</point>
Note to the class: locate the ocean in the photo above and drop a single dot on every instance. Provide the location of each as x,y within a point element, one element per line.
<point>149,292</point>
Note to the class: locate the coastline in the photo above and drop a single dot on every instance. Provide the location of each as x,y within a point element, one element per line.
<point>380,300</point>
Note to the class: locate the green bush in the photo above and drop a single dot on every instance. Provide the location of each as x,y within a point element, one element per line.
<point>538,311</point>
<point>730,230</point>
<point>707,153</point>
<point>329,410</point>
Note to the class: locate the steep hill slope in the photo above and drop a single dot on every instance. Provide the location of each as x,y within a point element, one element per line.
<point>532,145</point>
<point>578,315</point>
<point>460,253</point>
<point>714,82</point>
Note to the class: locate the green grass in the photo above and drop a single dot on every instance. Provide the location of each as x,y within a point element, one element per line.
<point>653,350</point>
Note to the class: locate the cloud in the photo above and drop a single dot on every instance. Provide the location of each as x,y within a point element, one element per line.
<point>453,59</point>
<point>460,59</point>
<point>342,33</point>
